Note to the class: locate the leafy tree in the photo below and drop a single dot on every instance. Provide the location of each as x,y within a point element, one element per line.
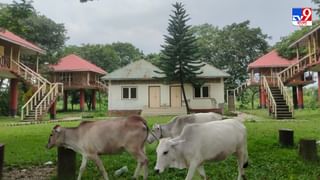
<point>108,57</point>
<point>49,35</point>
<point>154,58</point>
<point>127,52</point>
<point>283,46</point>
<point>22,19</point>
<point>180,59</point>
<point>103,56</point>
<point>231,48</point>
<point>12,16</point>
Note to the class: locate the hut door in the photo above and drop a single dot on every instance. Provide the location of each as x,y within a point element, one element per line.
<point>154,96</point>
<point>175,96</point>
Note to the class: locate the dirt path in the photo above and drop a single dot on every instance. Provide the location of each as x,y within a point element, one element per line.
<point>30,173</point>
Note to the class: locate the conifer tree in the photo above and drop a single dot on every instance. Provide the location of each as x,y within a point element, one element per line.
<point>180,58</point>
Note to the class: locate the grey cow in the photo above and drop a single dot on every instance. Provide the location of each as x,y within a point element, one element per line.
<point>176,125</point>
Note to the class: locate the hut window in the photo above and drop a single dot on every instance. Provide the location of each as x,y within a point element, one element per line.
<point>64,77</point>
<point>129,93</point>
<point>201,92</point>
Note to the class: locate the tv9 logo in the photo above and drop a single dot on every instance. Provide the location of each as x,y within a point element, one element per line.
<point>302,16</point>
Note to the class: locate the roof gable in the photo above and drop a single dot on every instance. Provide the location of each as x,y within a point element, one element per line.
<point>15,39</point>
<point>75,63</point>
<point>143,70</point>
<point>271,59</point>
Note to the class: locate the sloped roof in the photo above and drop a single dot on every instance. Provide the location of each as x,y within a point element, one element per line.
<point>15,39</point>
<point>74,63</point>
<point>144,70</point>
<point>271,59</point>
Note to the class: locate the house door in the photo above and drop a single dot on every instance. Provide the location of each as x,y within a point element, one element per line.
<point>154,96</point>
<point>175,96</point>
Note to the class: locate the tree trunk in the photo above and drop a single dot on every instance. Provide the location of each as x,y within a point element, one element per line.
<point>308,149</point>
<point>185,98</point>
<point>252,101</point>
<point>182,88</point>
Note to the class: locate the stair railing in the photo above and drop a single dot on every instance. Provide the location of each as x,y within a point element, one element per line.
<point>285,94</point>
<point>271,101</point>
<point>28,74</point>
<point>55,90</point>
<point>102,85</point>
<point>241,87</point>
<point>30,104</point>
<point>44,87</point>
<point>297,67</point>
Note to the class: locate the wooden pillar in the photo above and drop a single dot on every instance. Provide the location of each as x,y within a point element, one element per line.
<point>65,101</point>
<point>13,97</point>
<point>231,101</point>
<point>286,137</point>
<point>53,111</point>
<point>294,97</point>
<point>1,159</point>
<point>308,149</point>
<point>82,100</point>
<point>300,97</point>
<point>93,99</point>
<point>263,98</point>
<point>66,164</point>
<point>37,65</point>
<point>319,87</point>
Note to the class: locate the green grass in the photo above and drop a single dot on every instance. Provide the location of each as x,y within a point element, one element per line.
<point>25,146</point>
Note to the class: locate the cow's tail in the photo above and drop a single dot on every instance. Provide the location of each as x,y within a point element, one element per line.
<point>246,156</point>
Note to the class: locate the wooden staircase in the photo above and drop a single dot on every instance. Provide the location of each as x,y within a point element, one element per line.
<point>282,109</point>
<point>37,106</point>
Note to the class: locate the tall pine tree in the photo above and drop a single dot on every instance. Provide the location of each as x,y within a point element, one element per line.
<point>180,58</point>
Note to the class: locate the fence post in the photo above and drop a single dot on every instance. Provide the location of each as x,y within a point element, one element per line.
<point>308,149</point>
<point>1,159</point>
<point>286,137</point>
<point>66,164</point>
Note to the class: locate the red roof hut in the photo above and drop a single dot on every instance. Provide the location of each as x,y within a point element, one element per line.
<point>77,73</point>
<point>11,66</point>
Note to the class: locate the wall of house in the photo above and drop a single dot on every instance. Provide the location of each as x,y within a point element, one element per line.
<point>115,101</point>
<point>216,96</point>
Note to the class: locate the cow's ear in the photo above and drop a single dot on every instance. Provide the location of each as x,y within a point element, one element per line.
<point>175,143</point>
<point>57,128</point>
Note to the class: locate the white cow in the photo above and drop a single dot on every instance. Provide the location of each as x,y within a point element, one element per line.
<point>176,125</point>
<point>95,138</point>
<point>203,142</point>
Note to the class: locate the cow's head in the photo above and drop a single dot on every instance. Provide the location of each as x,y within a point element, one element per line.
<point>55,137</point>
<point>168,155</point>
<point>154,134</point>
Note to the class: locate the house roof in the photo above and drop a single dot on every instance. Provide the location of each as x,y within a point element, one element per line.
<point>74,63</point>
<point>143,70</point>
<point>15,39</point>
<point>271,59</point>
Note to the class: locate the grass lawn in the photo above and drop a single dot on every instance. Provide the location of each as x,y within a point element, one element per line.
<point>25,146</point>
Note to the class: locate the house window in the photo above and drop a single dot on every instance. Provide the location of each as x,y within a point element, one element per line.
<point>129,93</point>
<point>201,92</point>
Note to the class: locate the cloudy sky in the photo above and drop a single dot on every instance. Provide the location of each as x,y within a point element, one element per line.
<point>143,22</point>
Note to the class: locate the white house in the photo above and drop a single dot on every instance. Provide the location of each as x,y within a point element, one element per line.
<point>133,89</point>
